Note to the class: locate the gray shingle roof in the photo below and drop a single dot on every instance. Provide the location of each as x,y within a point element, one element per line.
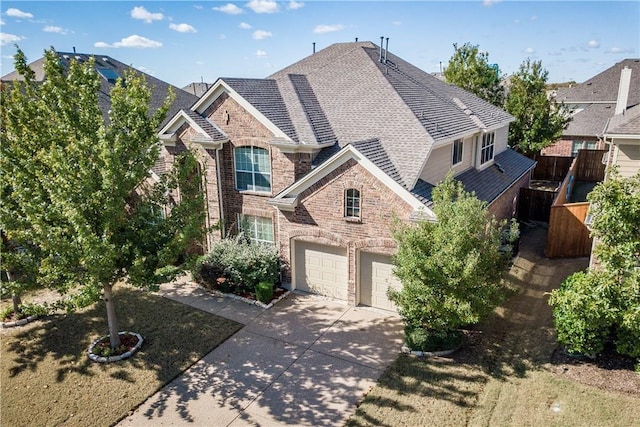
<point>604,86</point>
<point>159,88</point>
<point>318,120</point>
<point>625,124</point>
<point>422,191</point>
<point>206,125</point>
<point>489,183</point>
<point>265,96</point>
<point>374,151</point>
<point>403,107</point>
<point>590,121</point>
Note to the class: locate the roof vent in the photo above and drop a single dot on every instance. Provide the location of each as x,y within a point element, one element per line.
<point>65,57</point>
<point>78,58</point>
<point>105,59</point>
<point>499,167</point>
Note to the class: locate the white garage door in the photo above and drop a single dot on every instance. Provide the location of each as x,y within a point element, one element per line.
<point>321,269</point>
<point>376,275</point>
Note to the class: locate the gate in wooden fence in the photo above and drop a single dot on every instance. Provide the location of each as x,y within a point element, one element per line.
<point>535,205</point>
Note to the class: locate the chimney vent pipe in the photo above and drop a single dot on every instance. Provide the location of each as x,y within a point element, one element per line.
<point>386,50</point>
<point>314,47</point>
<point>381,48</point>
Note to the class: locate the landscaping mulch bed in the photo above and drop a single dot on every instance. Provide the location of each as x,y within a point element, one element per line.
<point>47,378</point>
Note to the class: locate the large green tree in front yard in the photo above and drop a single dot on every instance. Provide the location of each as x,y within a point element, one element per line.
<point>539,119</point>
<point>603,303</point>
<point>452,269</point>
<point>76,184</point>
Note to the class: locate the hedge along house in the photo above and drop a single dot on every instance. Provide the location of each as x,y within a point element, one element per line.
<point>320,157</point>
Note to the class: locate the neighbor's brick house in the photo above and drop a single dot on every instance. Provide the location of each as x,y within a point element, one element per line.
<point>320,157</point>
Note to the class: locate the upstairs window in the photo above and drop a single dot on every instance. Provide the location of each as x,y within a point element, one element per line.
<point>352,203</point>
<point>488,142</point>
<point>253,169</point>
<point>457,151</point>
<point>257,228</point>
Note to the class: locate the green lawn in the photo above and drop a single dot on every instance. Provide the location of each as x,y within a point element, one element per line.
<point>48,379</point>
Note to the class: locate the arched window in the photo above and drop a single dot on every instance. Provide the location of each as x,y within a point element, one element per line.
<point>352,203</point>
<point>253,169</point>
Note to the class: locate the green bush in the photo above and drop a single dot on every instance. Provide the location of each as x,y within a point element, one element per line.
<point>420,339</point>
<point>583,313</point>
<point>264,292</point>
<point>243,263</point>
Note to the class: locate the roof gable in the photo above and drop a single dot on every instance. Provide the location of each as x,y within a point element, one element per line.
<point>207,133</point>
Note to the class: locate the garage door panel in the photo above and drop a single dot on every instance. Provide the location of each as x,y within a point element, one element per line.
<point>376,276</point>
<point>321,269</point>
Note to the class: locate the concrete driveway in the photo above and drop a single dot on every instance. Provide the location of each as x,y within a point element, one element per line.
<point>305,361</point>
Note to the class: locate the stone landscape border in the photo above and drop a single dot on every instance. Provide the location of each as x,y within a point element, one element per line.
<point>243,299</point>
<point>20,322</point>
<point>122,356</point>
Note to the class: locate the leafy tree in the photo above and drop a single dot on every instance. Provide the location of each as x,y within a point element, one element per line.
<point>539,120</point>
<point>590,307</point>
<point>451,270</point>
<point>19,265</point>
<point>470,69</point>
<point>78,187</point>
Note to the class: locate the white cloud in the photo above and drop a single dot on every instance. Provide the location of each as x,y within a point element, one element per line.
<point>489,3</point>
<point>146,70</point>
<point>6,38</point>
<point>139,12</point>
<point>293,5</point>
<point>321,29</point>
<point>1,22</point>
<point>555,53</point>
<point>134,41</point>
<point>261,53</point>
<point>199,62</point>
<point>198,6</point>
<point>222,37</point>
<point>182,28</point>
<point>529,51</point>
<point>261,34</point>
<point>54,29</point>
<point>263,6</point>
<point>593,43</point>
<point>396,23</point>
<point>533,18</point>
<point>516,21</point>
<point>17,13</point>
<point>229,9</point>
<point>245,26</point>
<point>620,50</point>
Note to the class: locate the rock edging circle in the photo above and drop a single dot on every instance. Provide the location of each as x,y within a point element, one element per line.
<point>119,357</point>
<point>419,353</point>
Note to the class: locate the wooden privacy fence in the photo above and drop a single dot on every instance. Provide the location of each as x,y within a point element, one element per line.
<point>568,236</point>
<point>551,168</point>
<point>535,205</point>
<point>589,165</point>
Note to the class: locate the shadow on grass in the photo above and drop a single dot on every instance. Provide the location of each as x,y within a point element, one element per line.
<point>52,353</point>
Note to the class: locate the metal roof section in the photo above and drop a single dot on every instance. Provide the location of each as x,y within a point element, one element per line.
<point>319,123</point>
<point>489,183</point>
<point>207,133</point>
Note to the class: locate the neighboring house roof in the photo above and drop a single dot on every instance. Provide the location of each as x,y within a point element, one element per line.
<point>110,69</point>
<point>604,86</point>
<point>491,182</point>
<point>197,88</point>
<point>625,124</point>
<point>597,96</point>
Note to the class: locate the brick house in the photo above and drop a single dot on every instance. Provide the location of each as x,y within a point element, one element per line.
<point>320,157</point>
<point>592,104</point>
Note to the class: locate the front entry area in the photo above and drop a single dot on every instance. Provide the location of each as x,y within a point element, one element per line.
<point>321,269</point>
<point>376,275</point>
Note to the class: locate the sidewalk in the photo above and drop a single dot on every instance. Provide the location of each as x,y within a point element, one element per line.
<point>305,361</point>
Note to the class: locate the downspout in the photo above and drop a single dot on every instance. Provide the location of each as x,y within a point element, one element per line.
<point>221,222</point>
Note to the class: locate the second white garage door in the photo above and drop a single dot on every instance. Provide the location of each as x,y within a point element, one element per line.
<point>376,275</point>
<point>321,269</point>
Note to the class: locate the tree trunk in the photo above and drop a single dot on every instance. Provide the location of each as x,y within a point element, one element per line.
<point>15,297</point>
<point>114,338</point>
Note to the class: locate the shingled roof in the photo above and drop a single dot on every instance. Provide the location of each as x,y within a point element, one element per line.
<point>625,124</point>
<point>597,96</point>
<point>402,107</point>
<point>110,69</point>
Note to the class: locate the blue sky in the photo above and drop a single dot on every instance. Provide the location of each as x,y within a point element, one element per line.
<point>186,41</point>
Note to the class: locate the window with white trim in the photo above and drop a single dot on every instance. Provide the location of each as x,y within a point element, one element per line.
<point>488,143</point>
<point>253,169</point>
<point>457,151</point>
<point>352,203</point>
<point>258,229</point>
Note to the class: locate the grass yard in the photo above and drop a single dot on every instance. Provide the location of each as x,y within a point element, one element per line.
<point>48,379</point>
<point>509,373</point>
